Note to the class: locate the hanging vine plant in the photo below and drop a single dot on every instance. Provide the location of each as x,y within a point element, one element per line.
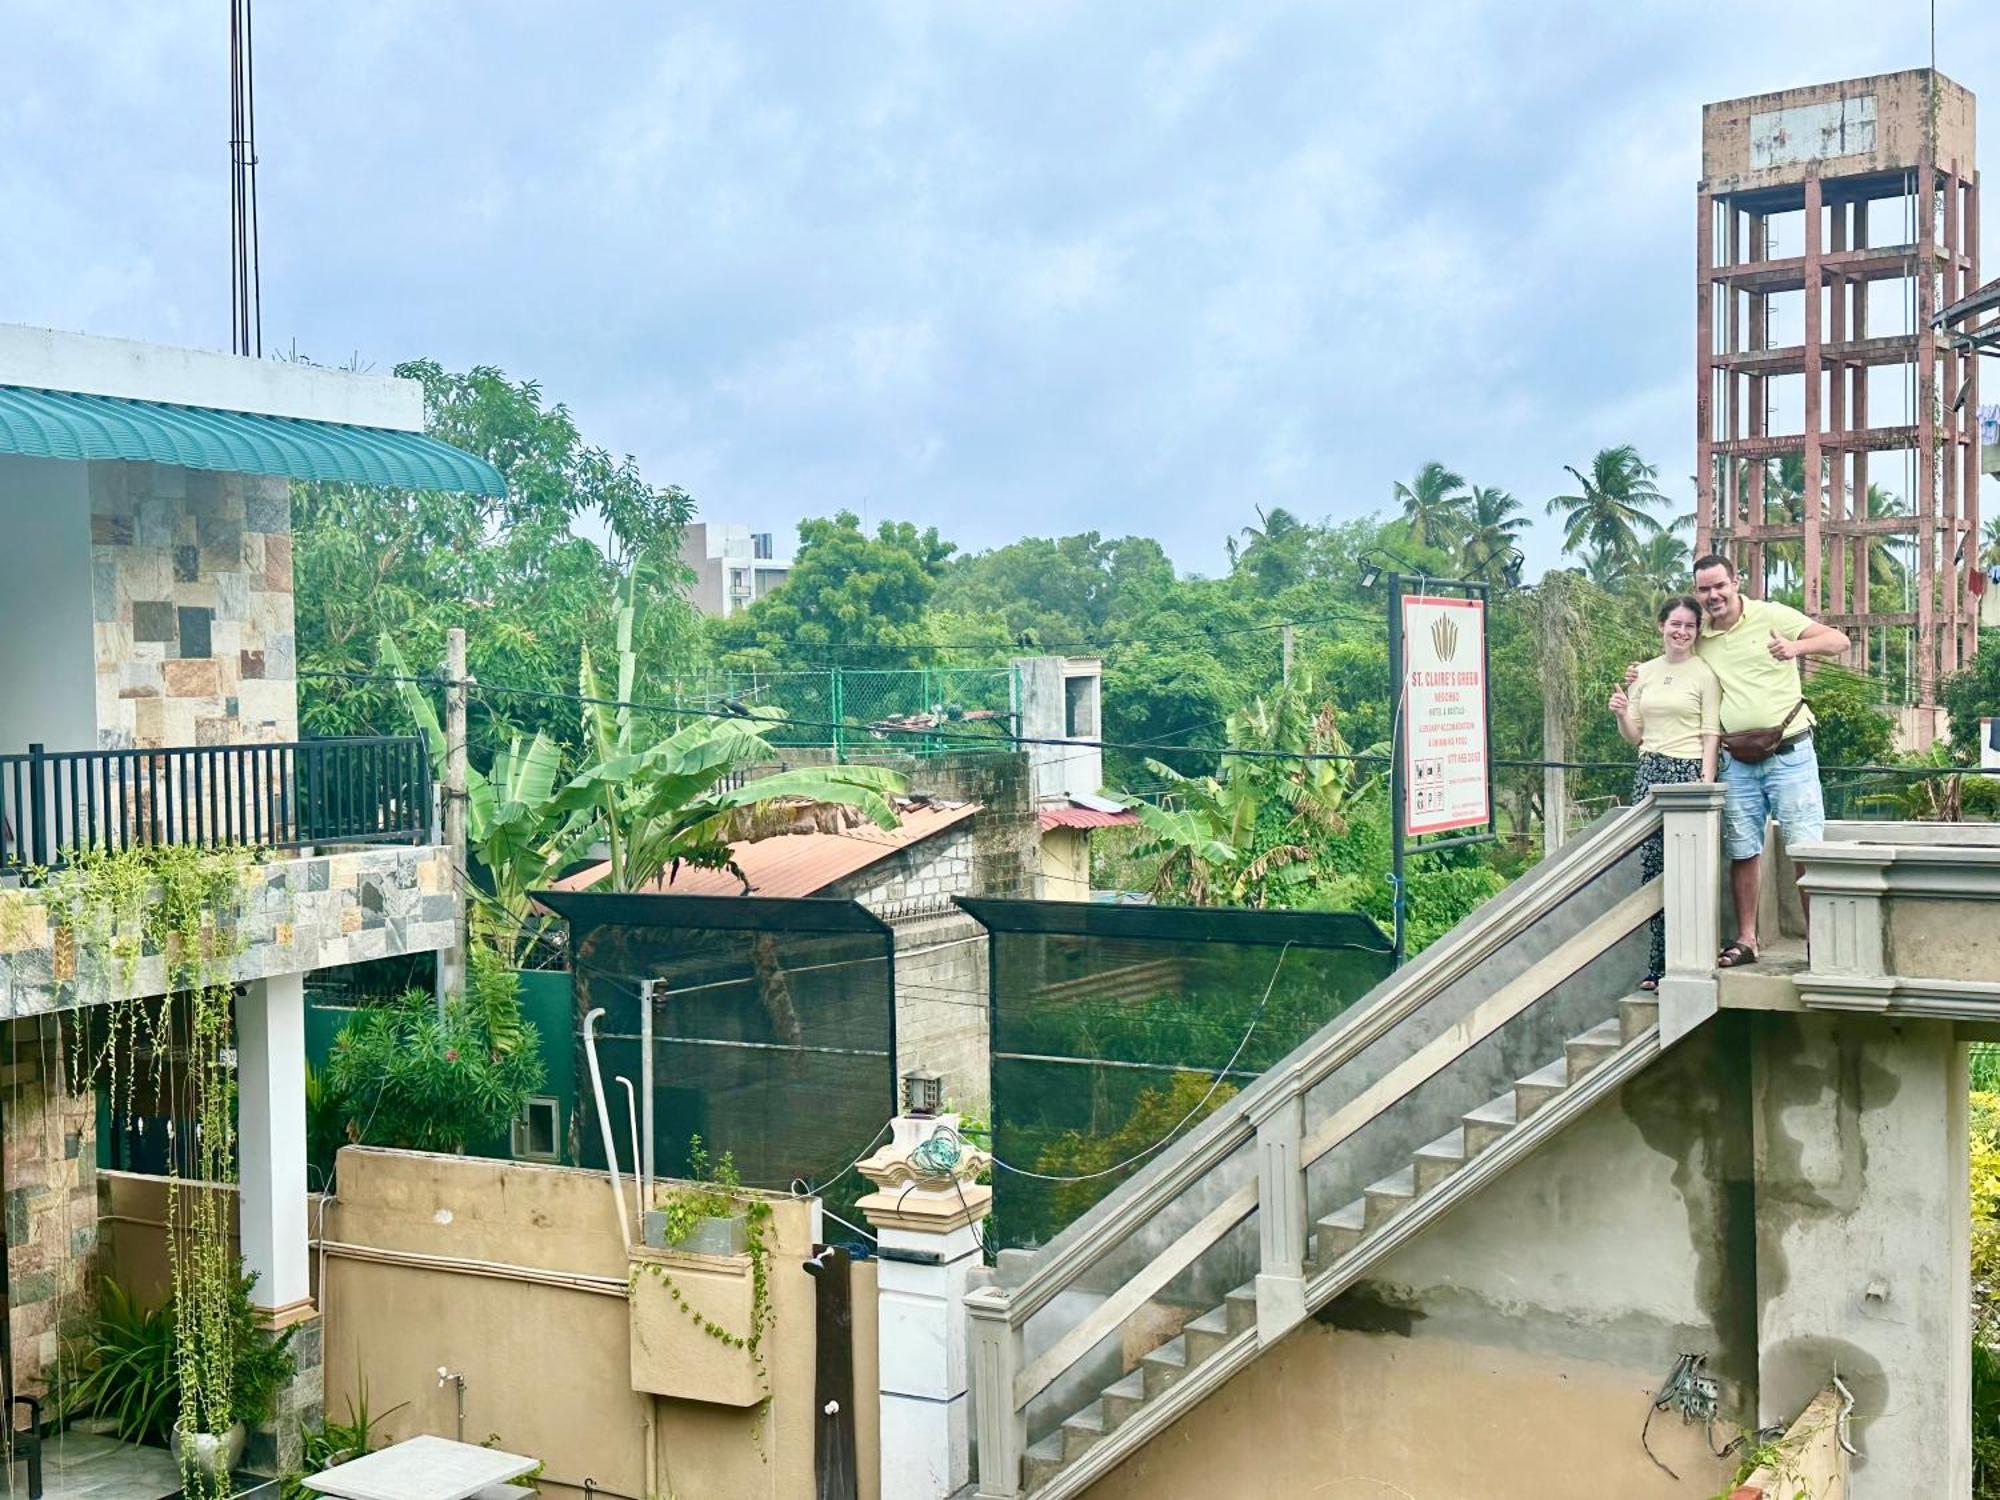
<point>108,913</point>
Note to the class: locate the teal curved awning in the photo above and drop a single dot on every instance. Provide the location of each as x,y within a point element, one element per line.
<point>63,424</point>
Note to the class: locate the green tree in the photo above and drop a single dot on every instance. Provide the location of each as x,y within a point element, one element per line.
<point>1990,558</point>
<point>1613,506</point>
<point>1850,730</point>
<point>1433,505</point>
<point>1273,553</point>
<point>1493,535</point>
<point>1660,566</point>
<point>1055,593</point>
<point>851,599</point>
<point>529,591</point>
<point>1972,693</point>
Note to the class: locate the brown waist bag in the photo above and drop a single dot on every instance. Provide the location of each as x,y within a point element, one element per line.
<point>1753,745</point>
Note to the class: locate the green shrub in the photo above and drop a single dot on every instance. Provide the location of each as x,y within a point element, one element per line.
<point>403,1075</point>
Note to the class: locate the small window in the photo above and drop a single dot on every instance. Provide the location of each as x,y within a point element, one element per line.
<point>1080,707</point>
<point>536,1128</point>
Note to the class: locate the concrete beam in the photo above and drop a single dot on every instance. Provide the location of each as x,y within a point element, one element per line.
<point>86,364</point>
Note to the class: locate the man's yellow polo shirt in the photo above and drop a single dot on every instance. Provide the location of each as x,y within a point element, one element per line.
<point>1758,690</point>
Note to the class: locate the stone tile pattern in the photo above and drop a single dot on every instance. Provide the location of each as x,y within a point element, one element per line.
<point>278,1445</point>
<point>191,590</point>
<point>297,914</point>
<point>924,875</point>
<point>50,1139</point>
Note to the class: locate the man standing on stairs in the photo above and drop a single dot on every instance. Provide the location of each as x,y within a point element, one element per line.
<point>1769,767</point>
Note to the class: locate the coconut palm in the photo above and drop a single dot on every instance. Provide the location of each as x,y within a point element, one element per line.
<point>1613,507</point>
<point>1434,505</point>
<point>1273,550</point>
<point>1991,556</point>
<point>1493,535</point>
<point>1660,566</point>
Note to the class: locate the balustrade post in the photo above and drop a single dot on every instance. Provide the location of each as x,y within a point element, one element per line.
<point>1281,1217</point>
<point>996,1361</point>
<point>1691,897</point>
<point>38,806</point>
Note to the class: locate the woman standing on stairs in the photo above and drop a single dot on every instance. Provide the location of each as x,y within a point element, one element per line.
<point>1673,713</point>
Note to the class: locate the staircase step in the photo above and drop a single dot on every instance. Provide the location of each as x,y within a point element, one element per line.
<point>1044,1460</point>
<point>1123,1399</point>
<point>1390,1196</point>
<point>1596,1045</point>
<point>1637,1014</point>
<point>1442,1157</point>
<point>1207,1333</point>
<point>1339,1232</point>
<point>1165,1366</point>
<point>1242,1306</point>
<point>1490,1122</point>
<point>1081,1429</point>
<point>1540,1086</point>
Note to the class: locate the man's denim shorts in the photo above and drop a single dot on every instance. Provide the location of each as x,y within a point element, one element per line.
<point>1784,787</point>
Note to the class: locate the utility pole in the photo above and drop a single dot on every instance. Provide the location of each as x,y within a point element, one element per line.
<point>1555,777</point>
<point>451,962</point>
<point>1287,638</point>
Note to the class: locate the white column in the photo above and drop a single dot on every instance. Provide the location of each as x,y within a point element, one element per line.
<point>927,1219</point>
<point>1691,897</point>
<point>271,1141</point>
<point>1281,1218</point>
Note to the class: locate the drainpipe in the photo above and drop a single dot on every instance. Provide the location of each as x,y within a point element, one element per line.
<point>632,1121</point>
<point>604,1124</point>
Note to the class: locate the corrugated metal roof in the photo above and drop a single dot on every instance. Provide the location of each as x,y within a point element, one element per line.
<point>65,424</point>
<point>1084,817</point>
<point>800,864</point>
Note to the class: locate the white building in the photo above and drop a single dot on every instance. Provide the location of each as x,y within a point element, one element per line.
<point>733,566</point>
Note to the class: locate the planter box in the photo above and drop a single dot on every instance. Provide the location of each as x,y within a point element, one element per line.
<point>725,1235</point>
<point>672,1355</point>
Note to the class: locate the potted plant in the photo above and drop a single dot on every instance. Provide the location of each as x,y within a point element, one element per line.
<point>708,1217</point>
<point>207,1439</point>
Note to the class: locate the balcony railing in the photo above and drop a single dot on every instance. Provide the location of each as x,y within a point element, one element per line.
<point>282,796</point>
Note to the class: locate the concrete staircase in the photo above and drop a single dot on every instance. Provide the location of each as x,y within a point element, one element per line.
<point>1349,1239</point>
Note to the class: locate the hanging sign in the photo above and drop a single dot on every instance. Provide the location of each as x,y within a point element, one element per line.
<point>1445,775</point>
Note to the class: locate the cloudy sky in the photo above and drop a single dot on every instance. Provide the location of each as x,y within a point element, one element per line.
<point>1006,268</point>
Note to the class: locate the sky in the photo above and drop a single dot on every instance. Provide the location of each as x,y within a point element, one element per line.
<point>1137,266</point>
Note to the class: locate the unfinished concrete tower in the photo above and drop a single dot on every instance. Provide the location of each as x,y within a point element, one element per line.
<point>1836,430</point>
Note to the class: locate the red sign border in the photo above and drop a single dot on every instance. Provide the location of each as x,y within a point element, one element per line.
<point>1409,740</point>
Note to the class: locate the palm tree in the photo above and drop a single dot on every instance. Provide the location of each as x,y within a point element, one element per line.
<point>1660,565</point>
<point>1615,504</point>
<point>1991,557</point>
<point>1493,535</point>
<point>1434,504</point>
<point>1271,550</point>
<point>1608,569</point>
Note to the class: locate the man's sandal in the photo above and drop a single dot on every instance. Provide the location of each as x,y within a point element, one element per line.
<point>1736,955</point>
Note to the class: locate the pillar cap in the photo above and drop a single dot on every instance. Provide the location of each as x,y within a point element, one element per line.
<point>934,1195</point>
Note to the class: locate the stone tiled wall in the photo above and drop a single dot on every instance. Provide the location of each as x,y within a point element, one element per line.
<point>297,914</point>
<point>191,589</point>
<point>926,874</point>
<point>50,1193</point>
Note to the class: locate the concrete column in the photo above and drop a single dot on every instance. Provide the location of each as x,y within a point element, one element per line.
<point>1863,1261</point>
<point>271,1136</point>
<point>1691,898</point>
<point>1281,1218</point>
<point>927,1215</point>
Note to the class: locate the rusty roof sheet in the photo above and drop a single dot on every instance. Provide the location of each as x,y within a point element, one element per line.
<point>799,864</point>
<point>1074,816</point>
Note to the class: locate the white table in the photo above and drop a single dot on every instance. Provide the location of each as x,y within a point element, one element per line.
<point>421,1468</point>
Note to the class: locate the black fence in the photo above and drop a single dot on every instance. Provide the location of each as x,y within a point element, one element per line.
<point>282,796</point>
<point>1114,1025</point>
<point>774,1031</point>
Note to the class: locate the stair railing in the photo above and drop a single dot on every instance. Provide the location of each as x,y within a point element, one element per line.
<point>1267,1121</point>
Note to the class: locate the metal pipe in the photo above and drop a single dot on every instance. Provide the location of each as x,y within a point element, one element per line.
<point>604,1124</point>
<point>642,1167</point>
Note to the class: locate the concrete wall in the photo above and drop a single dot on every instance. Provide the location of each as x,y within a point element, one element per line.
<point>1512,1349</point>
<point>191,588</point>
<point>45,651</point>
<point>1066,864</point>
<point>942,1015</point>
<point>1902,110</point>
<point>924,876</point>
<point>514,1275</point>
<point>49,360</point>
<point>296,915</point>
<point>1060,771</point>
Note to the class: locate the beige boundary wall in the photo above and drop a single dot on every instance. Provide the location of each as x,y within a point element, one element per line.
<point>513,1275</point>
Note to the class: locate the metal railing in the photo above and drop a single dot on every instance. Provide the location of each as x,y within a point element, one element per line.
<point>280,796</point>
